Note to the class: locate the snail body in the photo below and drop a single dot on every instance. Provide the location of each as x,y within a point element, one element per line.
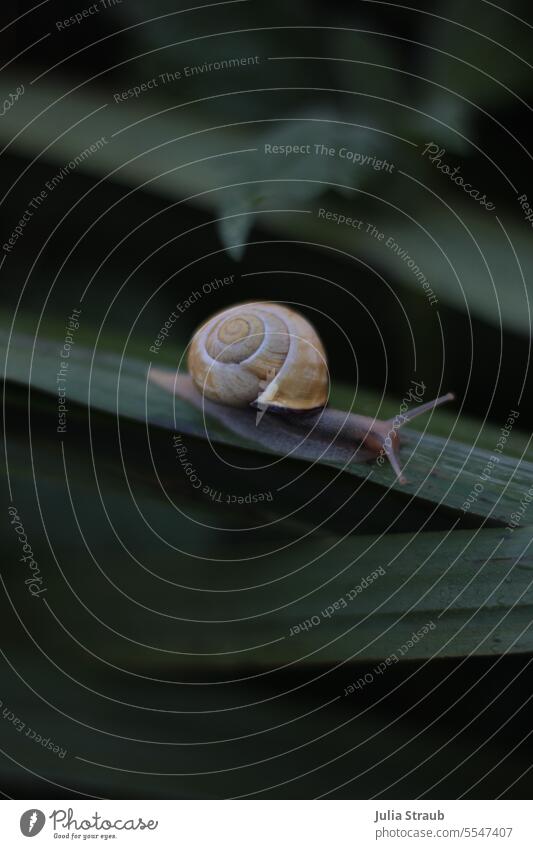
<point>269,357</point>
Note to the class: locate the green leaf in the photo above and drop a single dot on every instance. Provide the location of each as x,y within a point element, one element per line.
<point>132,693</point>
<point>462,250</point>
<point>440,471</point>
<point>317,599</point>
<point>293,166</point>
<point>470,260</point>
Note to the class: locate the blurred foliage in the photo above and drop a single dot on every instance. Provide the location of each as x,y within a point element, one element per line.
<point>137,562</point>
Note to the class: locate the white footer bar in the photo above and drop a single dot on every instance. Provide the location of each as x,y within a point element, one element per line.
<point>266,824</point>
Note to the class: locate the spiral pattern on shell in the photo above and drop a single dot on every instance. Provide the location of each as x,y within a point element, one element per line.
<point>260,352</point>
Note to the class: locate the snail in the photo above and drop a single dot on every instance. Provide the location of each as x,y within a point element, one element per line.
<point>267,357</point>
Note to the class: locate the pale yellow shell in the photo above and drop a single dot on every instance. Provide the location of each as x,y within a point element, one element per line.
<point>263,353</point>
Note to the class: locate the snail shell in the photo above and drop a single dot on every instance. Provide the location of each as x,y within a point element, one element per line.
<point>260,353</point>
